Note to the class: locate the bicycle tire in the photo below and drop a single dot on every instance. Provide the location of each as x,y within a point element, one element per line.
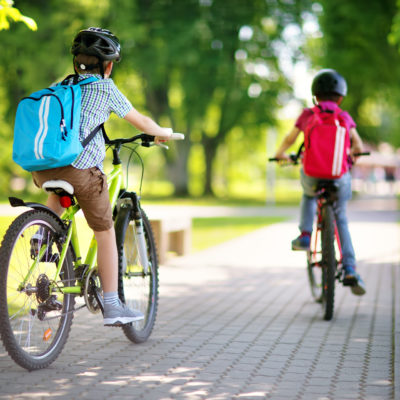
<point>314,274</point>
<point>328,261</point>
<point>34,321</point>
<point>136,289</point>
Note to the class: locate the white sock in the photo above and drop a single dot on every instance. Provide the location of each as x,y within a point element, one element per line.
<point>111,298</point>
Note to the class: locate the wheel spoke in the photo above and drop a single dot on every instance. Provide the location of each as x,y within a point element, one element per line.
<point>139,290</point>
<point>34,320</point>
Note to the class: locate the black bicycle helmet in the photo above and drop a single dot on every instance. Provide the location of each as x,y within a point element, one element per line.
<point>97,42</point>
<point>328,81</point>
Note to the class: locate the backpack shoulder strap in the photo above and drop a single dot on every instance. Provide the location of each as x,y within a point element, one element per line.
<point>87,80</point>
<point>75,80</point>
<point>94,132</point>
<point>318,109</point>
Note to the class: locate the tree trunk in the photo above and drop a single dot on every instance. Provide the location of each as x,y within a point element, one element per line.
<point>210,150</point>
<point>178,168</point>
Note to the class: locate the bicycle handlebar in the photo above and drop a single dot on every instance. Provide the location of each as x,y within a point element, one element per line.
<point>146,140</point>
<point>295,157</point>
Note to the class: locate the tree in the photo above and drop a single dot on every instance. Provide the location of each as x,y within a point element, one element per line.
<point>355,42</point>
<point>207,67</point>
<point>33,60</point>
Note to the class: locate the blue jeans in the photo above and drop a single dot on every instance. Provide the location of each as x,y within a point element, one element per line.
<point>308,209</point>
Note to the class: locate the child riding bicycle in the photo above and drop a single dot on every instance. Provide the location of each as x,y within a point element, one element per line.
<point>328,89</point>
<point>94,52</point>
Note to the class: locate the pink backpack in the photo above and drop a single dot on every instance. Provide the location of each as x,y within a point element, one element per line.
<point>326,145</point>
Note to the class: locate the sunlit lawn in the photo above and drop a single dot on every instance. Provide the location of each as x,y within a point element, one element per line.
<point>206,232</point>
<point>211,231</point>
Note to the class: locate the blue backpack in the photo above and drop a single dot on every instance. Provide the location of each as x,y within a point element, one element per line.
<point>46,130</point>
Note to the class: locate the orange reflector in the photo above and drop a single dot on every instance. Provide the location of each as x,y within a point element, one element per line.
<point>47,335</point>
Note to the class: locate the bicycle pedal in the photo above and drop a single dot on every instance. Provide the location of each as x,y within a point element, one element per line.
<point>117,325</point>
<point>81,271</point>
<point>351,281</point>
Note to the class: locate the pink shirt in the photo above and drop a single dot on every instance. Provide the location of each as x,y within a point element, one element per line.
<point>302,121</point>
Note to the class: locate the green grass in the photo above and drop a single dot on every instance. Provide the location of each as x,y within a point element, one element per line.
<point>206,232</point>
<point>4,224</point>
<point>212,231</point>
<point>281,201</point>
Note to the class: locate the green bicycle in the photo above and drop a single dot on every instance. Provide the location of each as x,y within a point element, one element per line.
<point>40,278</point>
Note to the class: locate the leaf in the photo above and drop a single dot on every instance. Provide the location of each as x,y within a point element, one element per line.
<point>29,22</point>
<point>9,12</point>
<point>3,22</point>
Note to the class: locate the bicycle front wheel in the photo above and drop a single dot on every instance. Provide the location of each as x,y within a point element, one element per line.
<point>328,261</point>
<point>35,316</point>
<point>314,273</point>
<point>137,287</point>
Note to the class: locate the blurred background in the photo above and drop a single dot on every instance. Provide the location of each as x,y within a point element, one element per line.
<point>232,75</point>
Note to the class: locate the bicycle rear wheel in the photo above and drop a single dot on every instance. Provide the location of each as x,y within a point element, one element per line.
<point>35,317</point>
<point>137,288</point>
<point>328,261</point>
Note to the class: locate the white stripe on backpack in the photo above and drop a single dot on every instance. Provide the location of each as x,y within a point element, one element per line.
<point>43,127</point>
<point>339,149</point>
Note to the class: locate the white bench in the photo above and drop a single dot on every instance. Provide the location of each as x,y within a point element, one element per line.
<point>172,234</point>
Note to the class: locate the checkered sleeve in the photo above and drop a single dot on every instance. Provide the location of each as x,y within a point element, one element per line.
<point>119,104</point>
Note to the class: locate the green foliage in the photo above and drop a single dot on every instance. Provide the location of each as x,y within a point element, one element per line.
<point>355,42</point>
<point>8,12</point>
<point>207,68</point>
<point>33,60</point>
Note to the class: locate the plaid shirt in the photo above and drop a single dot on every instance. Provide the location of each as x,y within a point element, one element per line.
<point>99,99</point>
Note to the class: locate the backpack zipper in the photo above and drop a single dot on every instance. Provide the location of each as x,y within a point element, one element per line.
<point>62,121</point>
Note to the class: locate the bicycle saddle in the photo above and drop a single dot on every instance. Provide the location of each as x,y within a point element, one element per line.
<point>330,185</point>
<point>58,187</point>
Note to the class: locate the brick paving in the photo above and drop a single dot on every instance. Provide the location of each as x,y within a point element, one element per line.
<point>237,321</point>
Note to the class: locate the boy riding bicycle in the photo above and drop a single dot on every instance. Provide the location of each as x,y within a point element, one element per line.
<point>94,52</point>
<point>328,89</point>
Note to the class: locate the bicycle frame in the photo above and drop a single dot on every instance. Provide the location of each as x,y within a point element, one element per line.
<point>114,180</point>
<point>320,204</point>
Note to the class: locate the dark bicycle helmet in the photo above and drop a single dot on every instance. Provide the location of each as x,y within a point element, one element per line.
<point>97,42</point>
<point>328,81</point>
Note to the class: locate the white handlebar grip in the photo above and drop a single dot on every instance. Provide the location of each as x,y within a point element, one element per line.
<point>177,136</point>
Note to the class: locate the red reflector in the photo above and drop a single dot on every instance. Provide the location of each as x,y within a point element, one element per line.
<point>65,201</point>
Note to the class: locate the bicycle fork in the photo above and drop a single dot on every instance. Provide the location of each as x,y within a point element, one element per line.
<point>133,202</point>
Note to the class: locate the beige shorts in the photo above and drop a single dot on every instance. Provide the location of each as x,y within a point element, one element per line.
<point>90,189</point>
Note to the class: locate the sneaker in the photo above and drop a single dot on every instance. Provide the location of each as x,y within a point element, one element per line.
<point>352,279</point>
<point>39,239</point>
<point>120,315</point>
<point>302,242</point>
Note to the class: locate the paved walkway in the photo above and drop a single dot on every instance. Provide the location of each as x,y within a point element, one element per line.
<point>237,321</point>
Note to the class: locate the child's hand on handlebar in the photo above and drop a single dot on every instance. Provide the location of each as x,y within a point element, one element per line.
<point>171,135</point>
<point>164,136</point>
<point>282,157</point>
